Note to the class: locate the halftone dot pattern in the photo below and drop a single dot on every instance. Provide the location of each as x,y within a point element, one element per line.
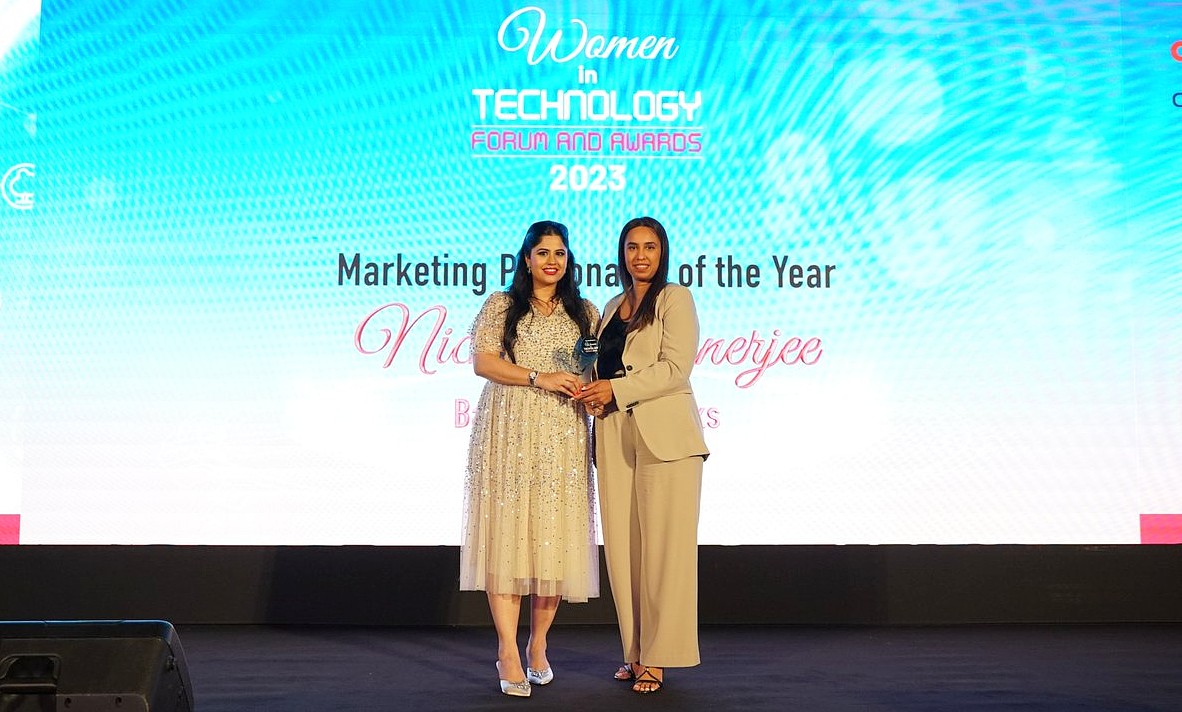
<point>993,184</point>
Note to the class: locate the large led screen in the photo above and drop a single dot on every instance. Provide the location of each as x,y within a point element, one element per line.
<point>934,247</point>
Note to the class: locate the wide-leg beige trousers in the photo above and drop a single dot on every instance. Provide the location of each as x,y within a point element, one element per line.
<point>650,510</point>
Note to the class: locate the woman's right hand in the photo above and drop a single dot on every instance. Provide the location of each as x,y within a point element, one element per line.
<point>567,384</point>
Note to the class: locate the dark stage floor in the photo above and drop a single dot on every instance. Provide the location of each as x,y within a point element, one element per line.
<point>1028,668</point>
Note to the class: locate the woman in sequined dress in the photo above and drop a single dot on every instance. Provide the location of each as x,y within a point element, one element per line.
<point>649,452</point>
<point>529,521</point>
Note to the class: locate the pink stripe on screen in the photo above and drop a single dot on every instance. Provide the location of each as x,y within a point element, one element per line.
<point>10,528</point>
<point>1161,528</point>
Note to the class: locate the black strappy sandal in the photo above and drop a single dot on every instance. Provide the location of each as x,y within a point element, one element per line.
<point>646,676</point>
<point>625,674</point>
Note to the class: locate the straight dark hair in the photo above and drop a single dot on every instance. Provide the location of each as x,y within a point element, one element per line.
<point>522,287</point>
<point>646,312</point>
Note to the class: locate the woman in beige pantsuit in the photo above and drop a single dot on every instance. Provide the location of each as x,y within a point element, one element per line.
<point>649,452</point>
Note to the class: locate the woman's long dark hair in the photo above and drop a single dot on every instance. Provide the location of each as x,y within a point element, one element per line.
<point>522,287</point>
<point>646,312</point>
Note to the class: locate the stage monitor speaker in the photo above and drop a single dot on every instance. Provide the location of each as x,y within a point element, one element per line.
<point>92,666</point>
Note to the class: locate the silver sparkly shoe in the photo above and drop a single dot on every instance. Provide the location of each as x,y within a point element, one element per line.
<point>513,689</point>
<point>539,677</point>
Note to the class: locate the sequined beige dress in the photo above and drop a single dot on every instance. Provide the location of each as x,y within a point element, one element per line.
<point>529,519</point>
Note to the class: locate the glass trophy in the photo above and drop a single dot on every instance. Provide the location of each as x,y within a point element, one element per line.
<point>585,352</point>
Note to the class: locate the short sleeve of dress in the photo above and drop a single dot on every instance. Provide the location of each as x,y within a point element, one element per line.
<point>489,326</point>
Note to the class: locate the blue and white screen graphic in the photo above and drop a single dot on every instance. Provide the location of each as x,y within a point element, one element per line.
<point>934,247</point>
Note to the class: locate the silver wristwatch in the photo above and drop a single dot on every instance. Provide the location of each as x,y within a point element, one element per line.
<point>533,378</point>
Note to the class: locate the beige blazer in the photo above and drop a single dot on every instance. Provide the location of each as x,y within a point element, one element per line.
<point>655,386</point>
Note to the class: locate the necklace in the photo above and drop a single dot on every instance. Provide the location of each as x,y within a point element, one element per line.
<point>545,306</point>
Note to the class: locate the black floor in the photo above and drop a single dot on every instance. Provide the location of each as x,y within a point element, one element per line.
<point>1027,668</point>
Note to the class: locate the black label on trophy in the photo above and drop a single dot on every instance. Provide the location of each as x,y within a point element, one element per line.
<point>586,351</point>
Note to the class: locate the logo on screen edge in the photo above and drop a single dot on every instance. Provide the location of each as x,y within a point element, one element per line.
<point>9,186</point>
